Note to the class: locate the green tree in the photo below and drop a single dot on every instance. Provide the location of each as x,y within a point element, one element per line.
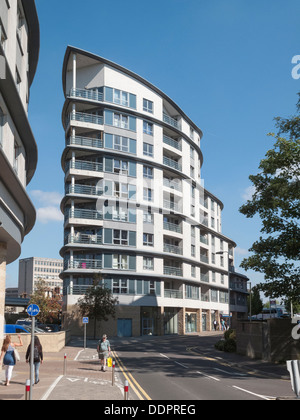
<point>256,302</point>
<point>49,303</point>
<point>98,303</point>
<point>277,202</point>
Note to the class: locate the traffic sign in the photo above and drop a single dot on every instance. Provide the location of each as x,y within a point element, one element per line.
<point>33,310</point>
<point>85,320</point>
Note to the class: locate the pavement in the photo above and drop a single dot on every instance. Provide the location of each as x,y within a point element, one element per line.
<point>78,376</point>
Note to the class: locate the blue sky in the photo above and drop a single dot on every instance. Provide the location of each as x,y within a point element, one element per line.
<point>227,64</point>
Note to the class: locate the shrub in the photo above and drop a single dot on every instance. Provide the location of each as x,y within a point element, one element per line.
<point>228,344</point>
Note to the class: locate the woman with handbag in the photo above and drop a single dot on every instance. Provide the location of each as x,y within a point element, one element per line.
<point>8,356</point>
<point>37,357</point>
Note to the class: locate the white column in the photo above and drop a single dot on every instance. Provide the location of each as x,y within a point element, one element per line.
<point>74,70</point>
<point>3,253</point>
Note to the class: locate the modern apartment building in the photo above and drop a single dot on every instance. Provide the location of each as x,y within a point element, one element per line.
<point>19,51</point>
<point>32,270</point>
<point>135,208</point>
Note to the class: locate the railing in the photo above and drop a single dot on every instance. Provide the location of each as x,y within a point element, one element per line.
<point>83,238</point>
<point>204,258</point>
<point>204,277</point>
<point>83,165</point>
<point>84,117</point>
<point>84,189</point>
<point>76,289</point>
<point>83,264</point>
<point>173,294</point>
<point>87,94</point>
<point>172,163</point>
<point>83,214</point>
<point>205,297</point>
<point>172,142</point>
<point>170,205</point>
<point>173,271</point>
<point>85,141</point>
<point>172,227</point>
<point>173,249</point>
<point>174,185</point>
<point>171,121</point>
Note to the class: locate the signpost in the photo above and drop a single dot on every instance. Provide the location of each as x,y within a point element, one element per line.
<point>33,311</point>
<point>85,321</point>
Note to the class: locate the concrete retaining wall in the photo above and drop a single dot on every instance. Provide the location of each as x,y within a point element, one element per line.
<point>51,342</point>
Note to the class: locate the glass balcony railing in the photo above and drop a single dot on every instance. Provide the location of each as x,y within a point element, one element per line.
<point>174,185</point>
<point>83,264</point>
<point>87,94</point>
<point>172,142</point>
<point>84,190</point>
<point>84,165</point>
<point>173,294</point>
<point>83,238</point>
<point>85,142</point>
<point>173,227</point>
<point>171,121</point>
<point>83,214</point>
<point>171,205</point>
<point>173,271</point>
<point>86,118</point>
<point>173,249</point>
<point>172,163</point>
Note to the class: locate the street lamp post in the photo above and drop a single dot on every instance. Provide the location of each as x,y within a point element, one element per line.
<point>221,253</point>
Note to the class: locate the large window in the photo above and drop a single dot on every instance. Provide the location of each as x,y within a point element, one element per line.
<point>147,106</point>
<point>120,286</point>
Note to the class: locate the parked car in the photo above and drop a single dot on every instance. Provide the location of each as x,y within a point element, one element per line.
<point>15,329</point>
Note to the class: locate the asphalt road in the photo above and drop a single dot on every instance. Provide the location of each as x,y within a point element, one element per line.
<point>188,368</point>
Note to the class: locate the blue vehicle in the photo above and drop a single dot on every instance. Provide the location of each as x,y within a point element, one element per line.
<point>15,329</point>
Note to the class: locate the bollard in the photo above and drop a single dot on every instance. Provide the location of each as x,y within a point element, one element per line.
<point>65,364</point>
<point>27,390</point>
<point>126,391</point>
<point>113,373</point>
<point>293,366</point>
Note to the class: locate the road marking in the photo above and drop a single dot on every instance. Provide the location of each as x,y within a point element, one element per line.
<point>47,394</point>
<point>231,373</point>
<point>75,360</point>
<point>163,355</point>
<point>252,393</point>
<point>131,379</point>
<point>207,376</point>
<point>180,364</point>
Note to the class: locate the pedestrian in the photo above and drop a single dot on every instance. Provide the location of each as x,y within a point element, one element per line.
<point>9,357</point>
<point>104,351</point>
<point>37,358</point>
<point>215,325</point>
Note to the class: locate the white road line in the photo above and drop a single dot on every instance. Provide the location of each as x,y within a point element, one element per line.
<point>230,373</point>
<point>47,394</point>
<point>78,355</point>
<point>163,355</point>
<point>181,364</point>
<point>207,376</point>
<point>252,393</point>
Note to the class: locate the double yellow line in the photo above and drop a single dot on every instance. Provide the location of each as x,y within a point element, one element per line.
<point>139,391</point>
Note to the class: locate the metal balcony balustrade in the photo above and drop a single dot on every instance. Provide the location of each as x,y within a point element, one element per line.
<point>173,294</point>
<point>83,264</point>
<point>174,185</point>
<point>83,214</point>
<point>172,142</point>
<point>173,271</point>
<point>171,121</point>
<point>173,249</point>
<point>84,189</point>
<point>172,163</point>
<point>86,94</point>
<point>204,258</point>
<point>83,238</point>
<point>83,165</point>
<point>85,142</point>
<point>85,117</point>
<point>173,227</point>
<point>171,205</point>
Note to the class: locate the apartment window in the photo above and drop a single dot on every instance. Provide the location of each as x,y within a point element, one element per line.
<point>148,128</point>
<point>152,290</point>
<point>120,97</point>
<point>213,258</point>
<point>222,261</point>
<point>147,106</point>
<point>147,172</point>
<point>193,250</point>
<point>120,286</point>
<point>16,155</point>
<point>148,239</point>
<point>192,172</point>
<point>121,121</point>
<point>120,190</point>
<point>148,194</point>
<point>120,262</point>
<point>193,271</point>
<point>148,149</point>
<point>123,144</point>
<point>148,263</point>
<point>120,237</point>
<point>148,216</point>
<point>212,222</point>
<point>222,279</point>
<point>120,166</point>
<point>213,276</point>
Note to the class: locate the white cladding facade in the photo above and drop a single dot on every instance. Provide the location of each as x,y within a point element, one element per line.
<point>135,209</point>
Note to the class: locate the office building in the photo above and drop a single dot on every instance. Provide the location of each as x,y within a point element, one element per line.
<point>19,51</point>
<point>135,208</point>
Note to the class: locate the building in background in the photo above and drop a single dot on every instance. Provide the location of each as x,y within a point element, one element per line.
<point>19,51</point>
<point>32,270</point>
<point>135,208</point>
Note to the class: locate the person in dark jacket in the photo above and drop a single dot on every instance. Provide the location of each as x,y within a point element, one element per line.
<point>38,357</point>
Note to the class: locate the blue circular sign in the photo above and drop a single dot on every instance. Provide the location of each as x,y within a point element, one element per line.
<point>33,310</point>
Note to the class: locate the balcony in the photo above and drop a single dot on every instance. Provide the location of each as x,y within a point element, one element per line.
<point>173,185</point>
<point>83,165</point>
<point>171,163</point>
<point>172,142</point>
<point>173,271</point>
<point>171,205</point>
<point>173,249</point>
<point>86,118</point>
<point>83,264</point>
<point>173,227</point>
<point>171,121</point>
<point>83,238</point>
<point>173,294</point>
<point>87,94</point>
<point>85,142</point>
<point>83,214</point>
<point>84,190</point>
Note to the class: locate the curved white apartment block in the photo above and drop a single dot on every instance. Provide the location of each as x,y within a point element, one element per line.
<point>19,52</point>
<point>135,209</point>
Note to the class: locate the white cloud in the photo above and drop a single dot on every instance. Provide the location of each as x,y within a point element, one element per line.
<point>241,251</point>
<point>248,193</point>
<point>47,204</point>
<point>49,214</point>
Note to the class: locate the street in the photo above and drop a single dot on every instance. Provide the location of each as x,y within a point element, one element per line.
<point>189,368</point>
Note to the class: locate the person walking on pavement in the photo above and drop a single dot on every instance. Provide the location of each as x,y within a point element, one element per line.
<point>38,357</point>
<point>9,357</point>
<point>104,351</point>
